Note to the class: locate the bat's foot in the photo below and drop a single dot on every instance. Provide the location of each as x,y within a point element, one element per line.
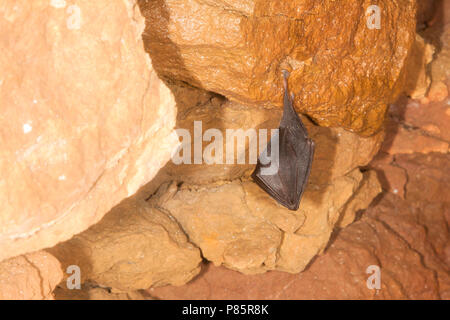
<point>285,78</point>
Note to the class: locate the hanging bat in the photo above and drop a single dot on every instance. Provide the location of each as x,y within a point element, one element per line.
<point>285,174</point>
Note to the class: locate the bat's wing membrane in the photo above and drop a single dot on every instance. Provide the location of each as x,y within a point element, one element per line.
<point>286,185</point>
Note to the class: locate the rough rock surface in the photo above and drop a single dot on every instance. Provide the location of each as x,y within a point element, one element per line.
<point>97,293</point>
<point>418,79</point>
<point>133,247</point>
<point>337,151</point>
<point>439,35</point>
<point>426,10</point>
<point>32,276</point>
<point>408,239</point>
<point>250,232</point>
<point>339,70</point>
<point>85,121</point>
<point>414,127</point>
<point>405,231</point>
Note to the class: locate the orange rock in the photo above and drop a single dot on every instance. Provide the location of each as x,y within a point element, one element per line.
<point>85,120</point>
<point>340,273</point>
<point>430,120</point>
<point>407,238</point>
<point>244,232</point>
<point>238,50</point>
<point>409,140</point>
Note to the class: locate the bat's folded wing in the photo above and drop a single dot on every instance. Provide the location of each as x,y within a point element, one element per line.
<point>287,179</point>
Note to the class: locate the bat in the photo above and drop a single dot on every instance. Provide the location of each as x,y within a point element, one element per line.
<point>284,176</point>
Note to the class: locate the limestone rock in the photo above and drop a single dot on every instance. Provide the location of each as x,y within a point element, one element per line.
<point>339,71</point>
<point>250,232</point>
<point>32,276</point>
<point>418,80</point>
<point>409,244</point>
<point>85,121</point>
<point>337,151</point>
<point>369,188</point>
<point>92,292</point>
<point>391,176</point>
<point>414,127</point>
<point>438,91</point>
<point>439,35</point>
<point>133,247</point>
<point>340,273</point>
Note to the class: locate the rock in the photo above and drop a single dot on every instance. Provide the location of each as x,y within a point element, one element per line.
<point>85,119</point>
<point>237,49</point>
<point>407,238</point>
<point>391,176</point>
<point>340,273</point>
<point>426,10</point>
<point>337,153</point>
<point>32,276</point>
<point>422,219</point>
<point>92,292</point>
<point>133,247</point>
<point>439,35</point>
<point>369,188</point>
<point>404,139</point>
<point>418,80</point>
<point>250,232</point>
<point>430,119</point>
<point>438,91</point>
<point>405,233</point>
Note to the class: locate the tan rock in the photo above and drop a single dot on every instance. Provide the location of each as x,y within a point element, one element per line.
<point>439,34</point>
<point>407,237</point>
<point>422,219</point>
<point>33,276</point>
<point>250,232</point>
<point>418,79</point>
<point>340,273</point>
<point>238,49</point>
<point>92,292</point>
<point>426,10</point>
<point>438,91</point>
<point>390,236</point>
<point>85,119</point>
<point>369,188</point>
<point>133,247</point>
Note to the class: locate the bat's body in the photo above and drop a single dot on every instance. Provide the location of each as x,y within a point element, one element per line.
<point>296,151</point>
